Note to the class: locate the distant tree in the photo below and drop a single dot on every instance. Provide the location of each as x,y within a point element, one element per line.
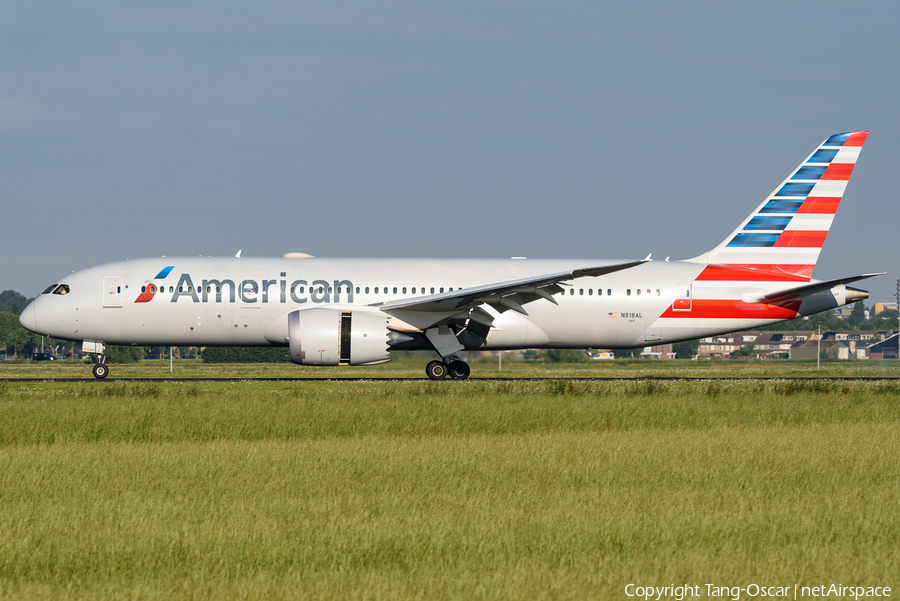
<point>567,355</point>
<point>214,354</point>
<point>857,315</point>
<point>531,355</point>
<point>686,349</point>
<point>124,354</point>
<point>627,353</point>
<point>13,302</point>
<point>18,341</point>
<point>745,351</point>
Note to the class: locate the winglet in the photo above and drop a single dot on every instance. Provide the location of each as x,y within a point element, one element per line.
<point>648,257</point>
<point>238,255</point>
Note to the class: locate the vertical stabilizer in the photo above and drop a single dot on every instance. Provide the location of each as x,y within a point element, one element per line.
<point>782,238</point>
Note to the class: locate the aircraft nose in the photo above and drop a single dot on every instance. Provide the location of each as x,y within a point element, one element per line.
<point>28,319</point>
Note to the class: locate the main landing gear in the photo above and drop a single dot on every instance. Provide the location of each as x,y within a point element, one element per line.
<point>451,366</point>
<point>101,370</point>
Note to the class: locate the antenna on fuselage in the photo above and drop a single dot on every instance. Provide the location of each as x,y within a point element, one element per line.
<point>238,255</point>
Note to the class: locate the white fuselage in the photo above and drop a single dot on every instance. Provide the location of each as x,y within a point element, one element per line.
<point>245,301</point>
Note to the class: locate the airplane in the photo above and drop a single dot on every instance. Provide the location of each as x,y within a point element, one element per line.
<point>355,311</point>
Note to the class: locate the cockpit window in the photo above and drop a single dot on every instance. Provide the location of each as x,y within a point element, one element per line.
<point>62,289</point>
<point>49,289</point>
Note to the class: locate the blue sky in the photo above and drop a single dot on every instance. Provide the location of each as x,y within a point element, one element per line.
<point>464,129</point>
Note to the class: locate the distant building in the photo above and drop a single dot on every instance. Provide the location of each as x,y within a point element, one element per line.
<point>768,344</point>
<point>831,349</point>
<point>879,307</point>
<point>845,311</point>
<point>886,349</point>
<point>660,351</point>
<point>720,346</point>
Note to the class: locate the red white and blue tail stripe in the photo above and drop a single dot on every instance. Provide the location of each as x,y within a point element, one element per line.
<point>781,240</point>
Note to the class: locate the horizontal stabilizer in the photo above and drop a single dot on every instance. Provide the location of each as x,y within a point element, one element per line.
<point>812,288</point>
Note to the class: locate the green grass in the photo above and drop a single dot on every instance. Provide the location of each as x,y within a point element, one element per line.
<point>412,365</point>
<point>475,490</point>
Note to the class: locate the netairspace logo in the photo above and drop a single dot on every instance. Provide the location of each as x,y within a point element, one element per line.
<point>755,591</point>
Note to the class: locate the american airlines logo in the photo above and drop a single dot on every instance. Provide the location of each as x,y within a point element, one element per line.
<point>149,289</point>
<point>251,291</point>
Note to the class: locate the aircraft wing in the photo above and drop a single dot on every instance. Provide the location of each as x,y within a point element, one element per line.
<point>506,295</point>
<point>807,289</point>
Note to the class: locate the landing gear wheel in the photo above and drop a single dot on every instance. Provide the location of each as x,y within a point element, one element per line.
<point>436,370</point>
<point>459,370</point>
<point>101,371</point>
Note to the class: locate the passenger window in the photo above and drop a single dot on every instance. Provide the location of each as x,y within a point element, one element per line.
<point>395,290</point>
<point>143,289</point>
<point>451,289</point>
<point>628,292</point>
<point>218,289</point>
<point>657,292</point>
<point>357,290</point>
<point>590,292</point>
<point>367,289</point>
<point>119,289</point>
<point>571,292</point>
<point>648,292</point>
<point>599,291</point>
<point>638,291</point>
<point>404,290</point>
<point>171,288</point>
<point>329,290</point>
<point>180,289</point>
<point>581,292</point>
<point>376,289</point>
<point>442,290</point>
<point>609,292</point>
<point>432,290</point>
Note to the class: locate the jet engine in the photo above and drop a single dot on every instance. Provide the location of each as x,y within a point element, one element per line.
<point>324,336</point>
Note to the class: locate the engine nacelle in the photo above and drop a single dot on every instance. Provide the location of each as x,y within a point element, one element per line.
<point>338,337</point>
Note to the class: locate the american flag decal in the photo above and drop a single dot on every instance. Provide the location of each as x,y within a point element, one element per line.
<point>613,314</point>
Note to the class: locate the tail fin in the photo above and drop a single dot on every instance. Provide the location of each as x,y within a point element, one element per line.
<point>782,238</point>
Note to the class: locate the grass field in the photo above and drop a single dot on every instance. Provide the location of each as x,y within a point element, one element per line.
<point>412,365</point>
<point>454,490</point>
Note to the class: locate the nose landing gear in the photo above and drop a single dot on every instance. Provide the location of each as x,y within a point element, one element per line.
<point>452,366</point>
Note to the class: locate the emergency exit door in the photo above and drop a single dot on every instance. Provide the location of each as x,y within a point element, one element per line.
<point>682,295</point>
<point>112,290</point>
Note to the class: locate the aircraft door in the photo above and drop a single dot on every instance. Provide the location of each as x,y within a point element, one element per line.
<point>683,294</point>
<point>112,290</point>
